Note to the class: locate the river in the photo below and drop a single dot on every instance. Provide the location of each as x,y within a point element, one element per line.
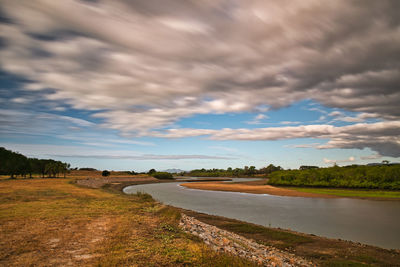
<point>365,221</point>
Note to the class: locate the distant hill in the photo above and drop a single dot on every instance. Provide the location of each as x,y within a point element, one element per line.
<point>174,170</point>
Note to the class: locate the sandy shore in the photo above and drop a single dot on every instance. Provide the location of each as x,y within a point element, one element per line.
<point>252,188</point>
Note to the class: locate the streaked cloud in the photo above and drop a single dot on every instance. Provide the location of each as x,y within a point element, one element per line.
<point>138,68</point>
<point>382,137</point>
<point>151,65</point>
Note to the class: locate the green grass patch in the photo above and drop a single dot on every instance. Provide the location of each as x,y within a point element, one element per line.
<point>287,239</point>
<point>350,192</point>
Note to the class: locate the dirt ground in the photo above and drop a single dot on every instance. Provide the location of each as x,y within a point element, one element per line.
<point>255,187</point>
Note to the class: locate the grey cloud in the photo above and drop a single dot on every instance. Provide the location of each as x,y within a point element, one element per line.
<point>143,65</point>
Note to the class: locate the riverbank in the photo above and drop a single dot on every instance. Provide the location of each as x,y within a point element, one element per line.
<point>322,251</point>
<point>260,187</point>
<point>229,242</point>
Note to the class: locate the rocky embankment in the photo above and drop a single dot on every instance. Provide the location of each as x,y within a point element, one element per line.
<point>224,241</point>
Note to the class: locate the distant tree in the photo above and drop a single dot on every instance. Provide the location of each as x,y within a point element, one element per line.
<point>385,162</point>
<point>87,169</point>
<point>271,168</point>
<point>305,167</point>
<point>105,173</point>
<point>151,171</point>
<point>162,175</point>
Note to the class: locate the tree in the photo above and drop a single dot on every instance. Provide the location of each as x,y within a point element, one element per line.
<point>163,175</point>
<point>105,173</point>
<point>151,171</point>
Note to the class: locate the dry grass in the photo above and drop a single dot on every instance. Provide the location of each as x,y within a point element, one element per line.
<point>53,222</point>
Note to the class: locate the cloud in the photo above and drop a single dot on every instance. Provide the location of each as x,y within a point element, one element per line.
<point>340,116</point>
<point>372,156</point>
<point>258,119</point>
<point>40,150</point>
<point>143,66</point>
<point>142,157</point>
<point>37,123</point>
<point>330,161</point>
<point>312,145</point>
<point>382,137</point>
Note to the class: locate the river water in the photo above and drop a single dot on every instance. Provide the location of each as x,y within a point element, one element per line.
<point>365,221</point>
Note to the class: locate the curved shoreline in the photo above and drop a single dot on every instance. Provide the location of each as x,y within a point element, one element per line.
<point>259,187</point>
<point>321,250</point>
<point>253,189</point>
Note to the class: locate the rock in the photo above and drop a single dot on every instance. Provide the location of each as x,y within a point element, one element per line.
<point>221,240</point>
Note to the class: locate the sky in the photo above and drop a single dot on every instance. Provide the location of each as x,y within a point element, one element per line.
<point>134,85</point>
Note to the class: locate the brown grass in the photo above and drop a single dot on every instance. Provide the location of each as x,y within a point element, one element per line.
<point>53,222</point>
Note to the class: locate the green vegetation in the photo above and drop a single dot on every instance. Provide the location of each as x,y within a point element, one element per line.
<point>162,175</point>
<point>105,173</point>
<point>286,239</point>
<point>372,177</point>
<point>360,193</point>
<point>15,164</point>
<point>237,172</point>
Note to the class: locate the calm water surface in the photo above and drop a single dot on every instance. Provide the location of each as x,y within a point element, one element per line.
<point>369,222</point>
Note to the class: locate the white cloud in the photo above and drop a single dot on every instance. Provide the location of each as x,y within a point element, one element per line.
<point>258,119</point>
<point>382,137</point>
<point>330,161</point>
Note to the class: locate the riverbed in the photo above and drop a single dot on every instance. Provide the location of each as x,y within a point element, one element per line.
<point>365,221</point>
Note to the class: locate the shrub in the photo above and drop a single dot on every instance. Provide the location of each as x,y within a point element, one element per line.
<point>163,175</point>
<point>105,173</point>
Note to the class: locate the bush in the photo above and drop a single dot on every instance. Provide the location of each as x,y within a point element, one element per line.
<point>105,173</point>
<point>163,175</point>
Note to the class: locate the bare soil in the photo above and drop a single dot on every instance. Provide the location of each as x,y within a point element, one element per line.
<point>256,187</point>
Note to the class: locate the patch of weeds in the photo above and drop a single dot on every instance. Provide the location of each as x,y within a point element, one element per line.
<point>151,209</point>
<point>144,197</point>
<point>365,258</point>
<point>169,227</point>
<point>344,263</point>
<point>288,239</point>
<point>170,213</point>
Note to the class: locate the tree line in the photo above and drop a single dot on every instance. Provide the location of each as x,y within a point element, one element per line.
<point>384,176</point>
<point>16,164</point>
<point>236,172</point>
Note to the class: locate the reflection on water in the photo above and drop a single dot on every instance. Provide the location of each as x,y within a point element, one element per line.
<point>365,221</point>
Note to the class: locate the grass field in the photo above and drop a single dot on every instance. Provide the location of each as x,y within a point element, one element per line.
<point>54,222</point>
<point>360,193</point>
